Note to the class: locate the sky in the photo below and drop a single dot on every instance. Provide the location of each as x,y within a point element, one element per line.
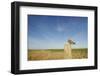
<point>52,32</point>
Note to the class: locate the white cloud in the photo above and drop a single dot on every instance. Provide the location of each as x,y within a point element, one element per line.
<point>60,29</point>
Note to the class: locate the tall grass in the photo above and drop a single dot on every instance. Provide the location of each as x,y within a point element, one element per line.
<point>54,54</point>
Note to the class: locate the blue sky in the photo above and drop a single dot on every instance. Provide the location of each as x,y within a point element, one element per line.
<point>51,32</point>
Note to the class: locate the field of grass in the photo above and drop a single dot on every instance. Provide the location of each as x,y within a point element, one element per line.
<point>54,54</point>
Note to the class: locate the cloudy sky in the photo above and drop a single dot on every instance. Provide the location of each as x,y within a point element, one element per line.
<point>51,32</point>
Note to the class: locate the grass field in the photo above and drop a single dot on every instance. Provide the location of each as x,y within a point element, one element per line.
<point>54,54</point>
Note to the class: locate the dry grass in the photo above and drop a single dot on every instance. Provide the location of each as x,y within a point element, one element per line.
<point>79,53</point>
<point>54,54</point>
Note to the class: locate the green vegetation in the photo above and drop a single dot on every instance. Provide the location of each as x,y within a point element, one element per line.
<point>54,54</point>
